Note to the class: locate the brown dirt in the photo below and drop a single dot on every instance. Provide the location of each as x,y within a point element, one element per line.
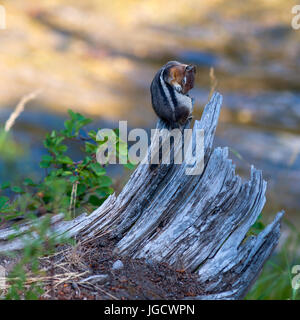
<point>138,279</point>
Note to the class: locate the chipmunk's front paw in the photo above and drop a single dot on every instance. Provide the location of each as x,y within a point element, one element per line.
<point>178,88</point>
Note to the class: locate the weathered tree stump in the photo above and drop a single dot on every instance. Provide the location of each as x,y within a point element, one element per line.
<point>197,222</point>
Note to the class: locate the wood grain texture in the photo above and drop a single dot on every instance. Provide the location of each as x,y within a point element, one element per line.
<point>196,222</point>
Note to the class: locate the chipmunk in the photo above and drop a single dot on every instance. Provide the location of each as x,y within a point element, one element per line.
<point>169,89</point>
<point>169,95</point>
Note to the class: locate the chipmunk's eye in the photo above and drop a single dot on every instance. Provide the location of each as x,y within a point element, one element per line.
<point>184,81</point>
<point>190,68</point>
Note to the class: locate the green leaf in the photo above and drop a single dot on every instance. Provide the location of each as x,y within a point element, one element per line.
<point>129,166</point>
<point>81,124</point>
<point>76,123</point>
<point>29,182</point>
<point>17,189</point>
<point>67,173</point>
<point>86,160</point>
<point>47,157</point>
<point>64,159</point>
<point>73,179</point>
<point>97,168</point>
<point>60,149</point>
<point>105,191</point>
<point>3,202</point>
<point>44,164</point>
<point>81,188</point>
<point>90,147</point>
<point>72,114</point>
<point>46,161</point>
<point>95,201</point>
<point>69,127</point>
<point>5,185</point>
<point>92,134</point>
<point>85,173</point>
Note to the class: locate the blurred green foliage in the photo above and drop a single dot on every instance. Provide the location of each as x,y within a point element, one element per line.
<point>68,185</point>
<point>275,281</point>
<point>39,240</point>
<point>9,148</point>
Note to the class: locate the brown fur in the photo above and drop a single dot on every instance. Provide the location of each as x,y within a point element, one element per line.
<point>190,79</point>
<point>177,74</point>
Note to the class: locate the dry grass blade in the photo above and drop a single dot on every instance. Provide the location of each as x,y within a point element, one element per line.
<point>73,200</point>
<point>105,292</point>
<point>86,285</point>
<point>57,278</point>
<point>213,82</point>
<point>100,235</point>
<point>20,108</point>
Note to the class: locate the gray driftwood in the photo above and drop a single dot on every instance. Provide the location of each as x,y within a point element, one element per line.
<point>196,222</point>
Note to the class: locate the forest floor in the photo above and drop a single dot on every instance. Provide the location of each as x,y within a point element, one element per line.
<point>95,272</point>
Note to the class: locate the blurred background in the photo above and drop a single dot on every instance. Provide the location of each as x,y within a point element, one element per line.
<point>99,57</point>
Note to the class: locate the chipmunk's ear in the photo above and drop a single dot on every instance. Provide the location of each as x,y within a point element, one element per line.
<point>190,68</point>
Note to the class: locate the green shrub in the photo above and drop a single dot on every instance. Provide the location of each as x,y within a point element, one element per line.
<point>68,187</point>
